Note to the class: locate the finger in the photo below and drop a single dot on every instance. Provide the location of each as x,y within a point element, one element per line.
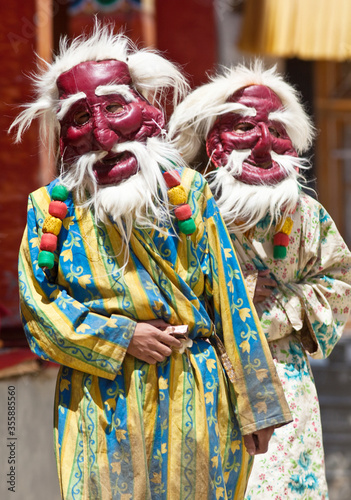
<point>262,443</point>
<point>147,358</point>
<point>265,272</point>
<point>250,444</point>
<point>157,323</point>
<point>263,436</point>
<point>264,292</point>
<point>169,340</point>
<point>259,297</point>
<point>157,356</point>
<point>267,282</point>
<point>161,348</point>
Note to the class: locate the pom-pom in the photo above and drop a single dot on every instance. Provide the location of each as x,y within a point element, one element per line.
<point>279,252</point>
<point>59,193</point>
<point>285,226</point>
<point>48,242</point>
<point>58,209</point>
<point>172,178</point>
<point>187,226</point>
<point>281,239</point>
<point>46,259</point>
<point>177,195</point>
<point>52,225</point>
<point>183,212</point>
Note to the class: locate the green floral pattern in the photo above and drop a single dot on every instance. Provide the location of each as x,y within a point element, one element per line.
<point>306,313</point>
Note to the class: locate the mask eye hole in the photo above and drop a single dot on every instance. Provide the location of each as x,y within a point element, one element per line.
<point>273,131</point>
<point>114,108</point>
<point>243,127</point>
<point>81,118</point>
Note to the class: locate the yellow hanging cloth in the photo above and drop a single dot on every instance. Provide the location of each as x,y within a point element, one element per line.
<point>308,29</point>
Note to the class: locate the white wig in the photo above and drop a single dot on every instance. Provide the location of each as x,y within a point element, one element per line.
<point>152,75</point>
<point>194,117</point>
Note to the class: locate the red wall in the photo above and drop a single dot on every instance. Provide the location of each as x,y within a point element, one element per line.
<point>186,33</point>
<point>19,164</point>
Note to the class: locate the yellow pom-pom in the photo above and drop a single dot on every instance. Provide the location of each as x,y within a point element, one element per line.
<point>52,225</point>
<point>177,195</point>
<point>285,226</point>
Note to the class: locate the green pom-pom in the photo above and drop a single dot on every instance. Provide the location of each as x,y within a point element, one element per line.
<point>46,259</point>
<point>279,252</point>
<point>59,193</point>
<point>187,226</point>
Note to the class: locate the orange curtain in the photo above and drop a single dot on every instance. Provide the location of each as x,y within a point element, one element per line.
<point>308,29</point>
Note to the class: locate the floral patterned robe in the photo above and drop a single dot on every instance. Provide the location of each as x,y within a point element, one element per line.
<point>306,313</point>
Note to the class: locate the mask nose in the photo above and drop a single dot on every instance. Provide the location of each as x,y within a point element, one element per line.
<point>263,146</point>
<point>104,136</point>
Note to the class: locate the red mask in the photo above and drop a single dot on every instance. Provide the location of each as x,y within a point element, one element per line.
<point>98,122</point>
<point>257,133</point>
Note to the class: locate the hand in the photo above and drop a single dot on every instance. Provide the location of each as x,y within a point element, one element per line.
<point>150,343</point>
<point>264,286</point>
<point>257,442</point>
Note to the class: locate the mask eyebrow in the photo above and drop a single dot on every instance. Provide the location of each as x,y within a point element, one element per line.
<point>235,107</point>
<point>65,104</point>
<point>280,116</point>
<point>122,90</point>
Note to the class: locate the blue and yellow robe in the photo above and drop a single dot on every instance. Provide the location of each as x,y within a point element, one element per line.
<point>125,429</point>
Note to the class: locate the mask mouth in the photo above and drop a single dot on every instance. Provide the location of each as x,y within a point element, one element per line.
<point>115,168</point>
<point>111,160</point>
<point>265,165</point>
<point>261,173</point>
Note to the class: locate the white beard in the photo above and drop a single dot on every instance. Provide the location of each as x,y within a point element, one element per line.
<point>247,204</point>
<point>139,201</point>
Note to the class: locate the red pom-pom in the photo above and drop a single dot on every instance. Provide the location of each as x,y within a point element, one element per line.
<point>183,212</point>
<point>58,209</point>
<point>48,242</point>
<point>281,239</point>
<point>172,178</point>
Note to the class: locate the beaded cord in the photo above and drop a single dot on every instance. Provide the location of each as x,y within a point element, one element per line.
<point>58,210</point>
<point>52,227</point>
<point>177,196</point>
<point>281,238</point>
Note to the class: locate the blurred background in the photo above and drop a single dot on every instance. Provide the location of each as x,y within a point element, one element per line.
<point>309,40</point>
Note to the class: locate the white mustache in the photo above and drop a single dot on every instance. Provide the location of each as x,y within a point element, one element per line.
<point>287,163</point>
<point>250,203</point>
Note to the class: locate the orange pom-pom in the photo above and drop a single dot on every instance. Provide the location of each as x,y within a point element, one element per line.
<point>172,178</point>
<point>281,239</point>
<point>48,242</point>
<point>58,209</point>
<point>183,212</point>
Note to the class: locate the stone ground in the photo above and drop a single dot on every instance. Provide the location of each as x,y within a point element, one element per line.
<point>333,380</point>
<point>36,477</point>
<point>35,468</point>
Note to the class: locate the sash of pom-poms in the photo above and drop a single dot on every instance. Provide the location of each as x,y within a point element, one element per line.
<point>281,238</point>
<point>177,196</point>
<point>52,226</point>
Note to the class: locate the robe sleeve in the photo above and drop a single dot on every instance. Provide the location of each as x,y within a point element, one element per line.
<point>317,304</point>
<point>258,394</point>
<point>58,327</point>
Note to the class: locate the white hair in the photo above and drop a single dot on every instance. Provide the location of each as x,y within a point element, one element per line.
<point>152,75</point>
<point>194,117</point>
